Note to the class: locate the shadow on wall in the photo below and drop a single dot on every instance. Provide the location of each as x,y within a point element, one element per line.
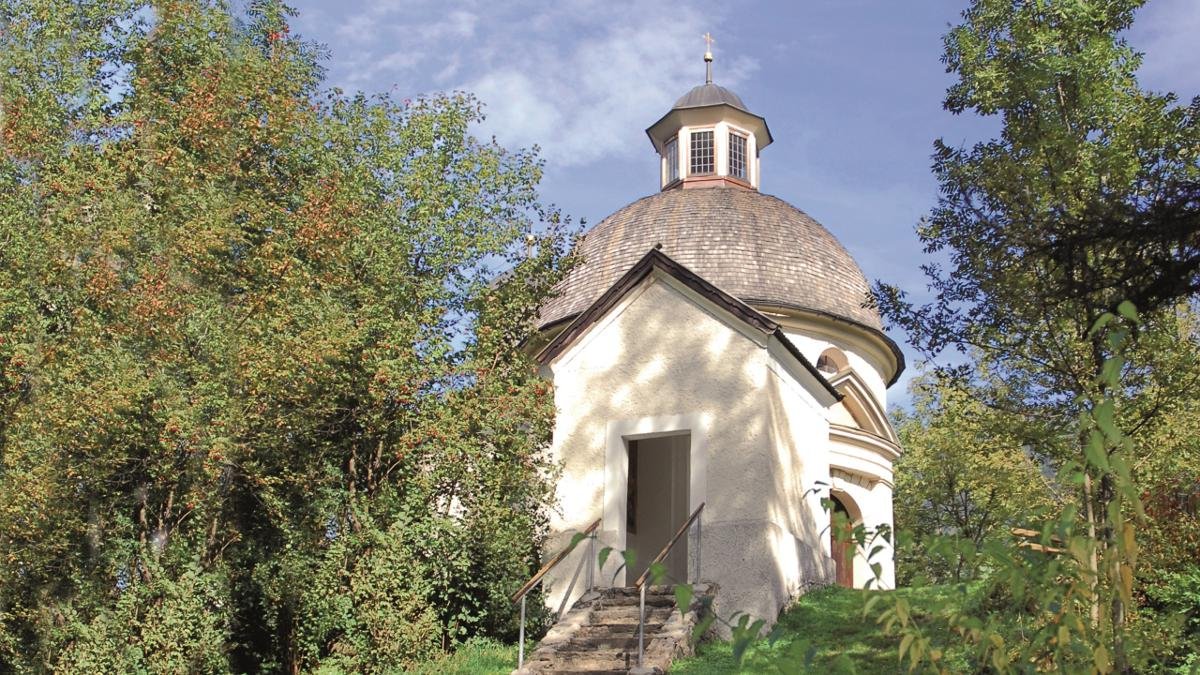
<point>802,453</point>
<point>659,353</point>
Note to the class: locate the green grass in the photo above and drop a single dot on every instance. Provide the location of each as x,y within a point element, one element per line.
<point>829,621</point>
<point>480,656</point>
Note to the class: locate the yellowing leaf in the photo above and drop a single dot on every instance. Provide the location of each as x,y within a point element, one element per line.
<point>1100,659</point>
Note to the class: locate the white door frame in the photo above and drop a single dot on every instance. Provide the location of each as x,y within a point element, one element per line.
<point>616,466</point>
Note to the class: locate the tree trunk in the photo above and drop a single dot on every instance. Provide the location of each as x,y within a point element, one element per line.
<point>1093,555</point>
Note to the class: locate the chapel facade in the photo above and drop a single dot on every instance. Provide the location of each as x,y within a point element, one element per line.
<point>715,347</point>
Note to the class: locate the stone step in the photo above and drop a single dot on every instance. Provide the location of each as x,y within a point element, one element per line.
<point>605,643</point>
<point>590,662</point>
<point>622,600</point>
<point>613,630</point>
<point>662,589</point>
<point>631,609</point>
<point>600,633</point>
<point>666,589</point>
<point>589,669</point>
<point>628,615</point>
<point>605,666</point>
<point>627,630</point>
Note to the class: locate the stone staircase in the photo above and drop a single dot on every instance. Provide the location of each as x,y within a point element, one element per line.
<point>600,632</point>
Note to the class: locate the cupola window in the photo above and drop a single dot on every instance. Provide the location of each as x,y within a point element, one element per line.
<point>671,153</point>
<point>737,155</point>
<point>701,155</point>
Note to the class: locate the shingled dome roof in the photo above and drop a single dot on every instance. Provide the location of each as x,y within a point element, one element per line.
<point>709,94</point>
<point>756,247</point>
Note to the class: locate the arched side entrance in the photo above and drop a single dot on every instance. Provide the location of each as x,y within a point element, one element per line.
<point>842,520</point>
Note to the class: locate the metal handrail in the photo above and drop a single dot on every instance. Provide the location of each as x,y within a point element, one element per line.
<point>640,584</point>
<point>541,573</point>
<point>533,581</point>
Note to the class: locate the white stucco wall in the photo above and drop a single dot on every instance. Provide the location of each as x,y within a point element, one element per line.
<point>800,443</point>
<point>811,344</point>
<point>861,474</point>
<point>666,361</point>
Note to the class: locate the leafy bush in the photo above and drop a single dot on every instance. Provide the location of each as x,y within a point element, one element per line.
<point>1172,609</point>
<point>264,403</point>
<point>1180,592</point>
<point>367,607</point>
<point>173,624</point>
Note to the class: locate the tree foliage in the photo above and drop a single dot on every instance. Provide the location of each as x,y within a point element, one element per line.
<point>965,478</point>
<point>976,471</point>
<point>1087,197</point>
<point>1040,599</point>
<point>262,405</point>
<point>1085,201</point>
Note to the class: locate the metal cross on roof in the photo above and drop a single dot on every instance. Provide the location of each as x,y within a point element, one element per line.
<point>708,57</point>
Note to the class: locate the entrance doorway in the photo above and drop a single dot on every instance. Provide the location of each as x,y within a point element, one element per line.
<point>657,502</point>
<point>843,550</point>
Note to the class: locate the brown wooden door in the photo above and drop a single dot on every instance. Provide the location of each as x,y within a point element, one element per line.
<point>843,550</point>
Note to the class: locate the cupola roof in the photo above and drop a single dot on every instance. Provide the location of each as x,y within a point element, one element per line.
<point>708,94</point>
<point>708,103</point>
<point>755,247</point>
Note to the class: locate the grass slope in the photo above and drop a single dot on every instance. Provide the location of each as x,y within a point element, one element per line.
<point>828,621</point>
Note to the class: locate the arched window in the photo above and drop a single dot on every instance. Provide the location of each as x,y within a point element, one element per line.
<point>831,362</point>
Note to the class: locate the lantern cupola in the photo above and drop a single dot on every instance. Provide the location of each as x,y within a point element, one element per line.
<point>709,138</point>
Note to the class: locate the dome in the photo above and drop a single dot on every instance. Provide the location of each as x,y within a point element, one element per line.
<point>756,247</point>
<point>709,94</point>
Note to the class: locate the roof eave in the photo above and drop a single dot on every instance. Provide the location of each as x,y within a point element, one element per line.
<point>878,333</point>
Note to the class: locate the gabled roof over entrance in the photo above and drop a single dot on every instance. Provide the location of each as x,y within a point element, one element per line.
<point>862,407</point>
<point>657,260</point>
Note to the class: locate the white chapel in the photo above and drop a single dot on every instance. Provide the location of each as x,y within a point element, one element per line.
<point>715,347</point>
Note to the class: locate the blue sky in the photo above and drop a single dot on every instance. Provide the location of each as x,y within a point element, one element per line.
<point>852,90</point>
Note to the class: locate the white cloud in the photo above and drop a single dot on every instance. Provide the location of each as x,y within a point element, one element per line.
<point>633,60</point>
<point>357,27</point>
<point>396,61</point>
<point>461,24</point>
<point>448,72</point>
<point>572,76</point>
<point>1166,30</point>
<point>517,109</point>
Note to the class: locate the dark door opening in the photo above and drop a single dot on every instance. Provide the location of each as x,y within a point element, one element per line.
<point>657,502</point>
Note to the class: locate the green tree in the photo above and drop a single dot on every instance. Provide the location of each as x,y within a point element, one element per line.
<point>263,404</point>
<point>965,480</point>
<point>1086,198</point>
<point>964,477</point>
